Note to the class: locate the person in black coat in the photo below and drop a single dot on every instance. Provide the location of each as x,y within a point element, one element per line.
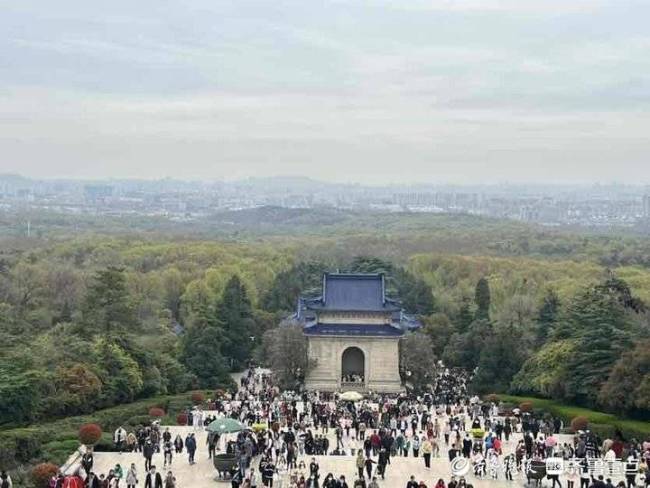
<point>147,452</point>
<point>412,483</point>
<point>87,462</point>
<point>267,474</point>
<point>153,479</point>
<point>92,481</point>
<point>190,445</point>
<point>178,444</point>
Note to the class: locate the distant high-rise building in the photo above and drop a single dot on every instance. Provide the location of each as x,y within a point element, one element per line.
<point>646,206</point>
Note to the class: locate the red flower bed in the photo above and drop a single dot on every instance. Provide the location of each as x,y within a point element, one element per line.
<point>181,419</point>
<point>579,423</point>
<point>526,407</point>
<point>156,412</point>
<point>42,473</point>
<point>197,397</point>
<point>89,434</point>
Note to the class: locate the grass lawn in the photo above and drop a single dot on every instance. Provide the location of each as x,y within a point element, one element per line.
<point>568,412</point>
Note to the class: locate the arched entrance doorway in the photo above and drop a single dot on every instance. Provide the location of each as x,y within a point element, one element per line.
<point>353,366</point>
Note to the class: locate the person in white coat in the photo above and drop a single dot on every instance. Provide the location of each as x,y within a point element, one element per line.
<point>131,477</point>
<point>197,419</point>
<point>119,438</point>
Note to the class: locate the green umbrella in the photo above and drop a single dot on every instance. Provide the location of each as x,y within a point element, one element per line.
<point>226,426</point>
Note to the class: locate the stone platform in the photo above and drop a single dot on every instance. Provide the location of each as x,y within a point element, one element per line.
<point>203,475</point>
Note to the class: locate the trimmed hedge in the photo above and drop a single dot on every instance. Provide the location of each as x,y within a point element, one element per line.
<point>44,442</point>
<point>156,412</point>
<point>604,424</point>
<point>579,423</point>
<point>526,407</point>
<point>198,397</point>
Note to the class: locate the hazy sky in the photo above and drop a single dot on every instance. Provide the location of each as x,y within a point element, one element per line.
<point>378,91</point>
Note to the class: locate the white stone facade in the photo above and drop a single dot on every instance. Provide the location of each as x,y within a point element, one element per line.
<point>381,366</point>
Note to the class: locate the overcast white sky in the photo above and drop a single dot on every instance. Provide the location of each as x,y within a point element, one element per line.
<point>378,91</point>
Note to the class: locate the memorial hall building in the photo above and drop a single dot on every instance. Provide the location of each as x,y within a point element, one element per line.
<point>353,331</point>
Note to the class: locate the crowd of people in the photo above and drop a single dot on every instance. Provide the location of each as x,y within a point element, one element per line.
<point>444,422</point>
<point>287,431</point>
<point>352,378</point>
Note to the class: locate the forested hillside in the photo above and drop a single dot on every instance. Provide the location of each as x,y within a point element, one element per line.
<point>96,320</point>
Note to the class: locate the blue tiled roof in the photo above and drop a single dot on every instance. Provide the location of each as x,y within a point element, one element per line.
<point>368,330</point>
<point>353,292</point>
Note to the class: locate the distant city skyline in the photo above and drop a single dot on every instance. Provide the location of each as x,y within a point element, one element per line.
<point>311,179</point>
<point>594,206</point>
<point>423,91</point>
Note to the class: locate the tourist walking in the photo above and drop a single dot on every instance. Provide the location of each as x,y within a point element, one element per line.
<point>170,481</point>
<point>178,444</point>
<point>427,449</point>
<point>147,452</point>
<point>153,479</point>
<point>131,476</point>
<point>360,462</point>
<point>190,445</point>
<point>167,453</point>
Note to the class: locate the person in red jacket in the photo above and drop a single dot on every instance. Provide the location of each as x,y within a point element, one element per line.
<point>375,442</point>
<point>74,481</point>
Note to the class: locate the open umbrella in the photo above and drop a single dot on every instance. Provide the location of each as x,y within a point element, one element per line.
<point>225,425</point>
<point>351,396</point>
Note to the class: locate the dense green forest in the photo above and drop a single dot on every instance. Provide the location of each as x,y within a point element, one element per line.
<point>92,319</point>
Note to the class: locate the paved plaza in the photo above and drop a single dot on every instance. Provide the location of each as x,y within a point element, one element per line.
<point>203,475</point>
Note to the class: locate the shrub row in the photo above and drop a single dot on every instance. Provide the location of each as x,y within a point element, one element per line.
<point>55,441</point>
<point>604,424</point>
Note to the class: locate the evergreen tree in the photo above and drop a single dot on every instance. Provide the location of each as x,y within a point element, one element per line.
<point>465,316</point>
<point>107,307</point>
<point>482,299</point>
<point>415,294</point>
<point>619,289</point>
<point>201,350</point>
<point>547,317</point>
<point>501,357</point>
<point>626,390</point>
<point>370,264</point>
<point>288,285</point>
<point>593,362</point>
<point>464,350</point>
<point>235,312</point>
<point>601,324</point>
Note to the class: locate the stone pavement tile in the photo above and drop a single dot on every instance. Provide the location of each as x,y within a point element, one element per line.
<point>203,475</point>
